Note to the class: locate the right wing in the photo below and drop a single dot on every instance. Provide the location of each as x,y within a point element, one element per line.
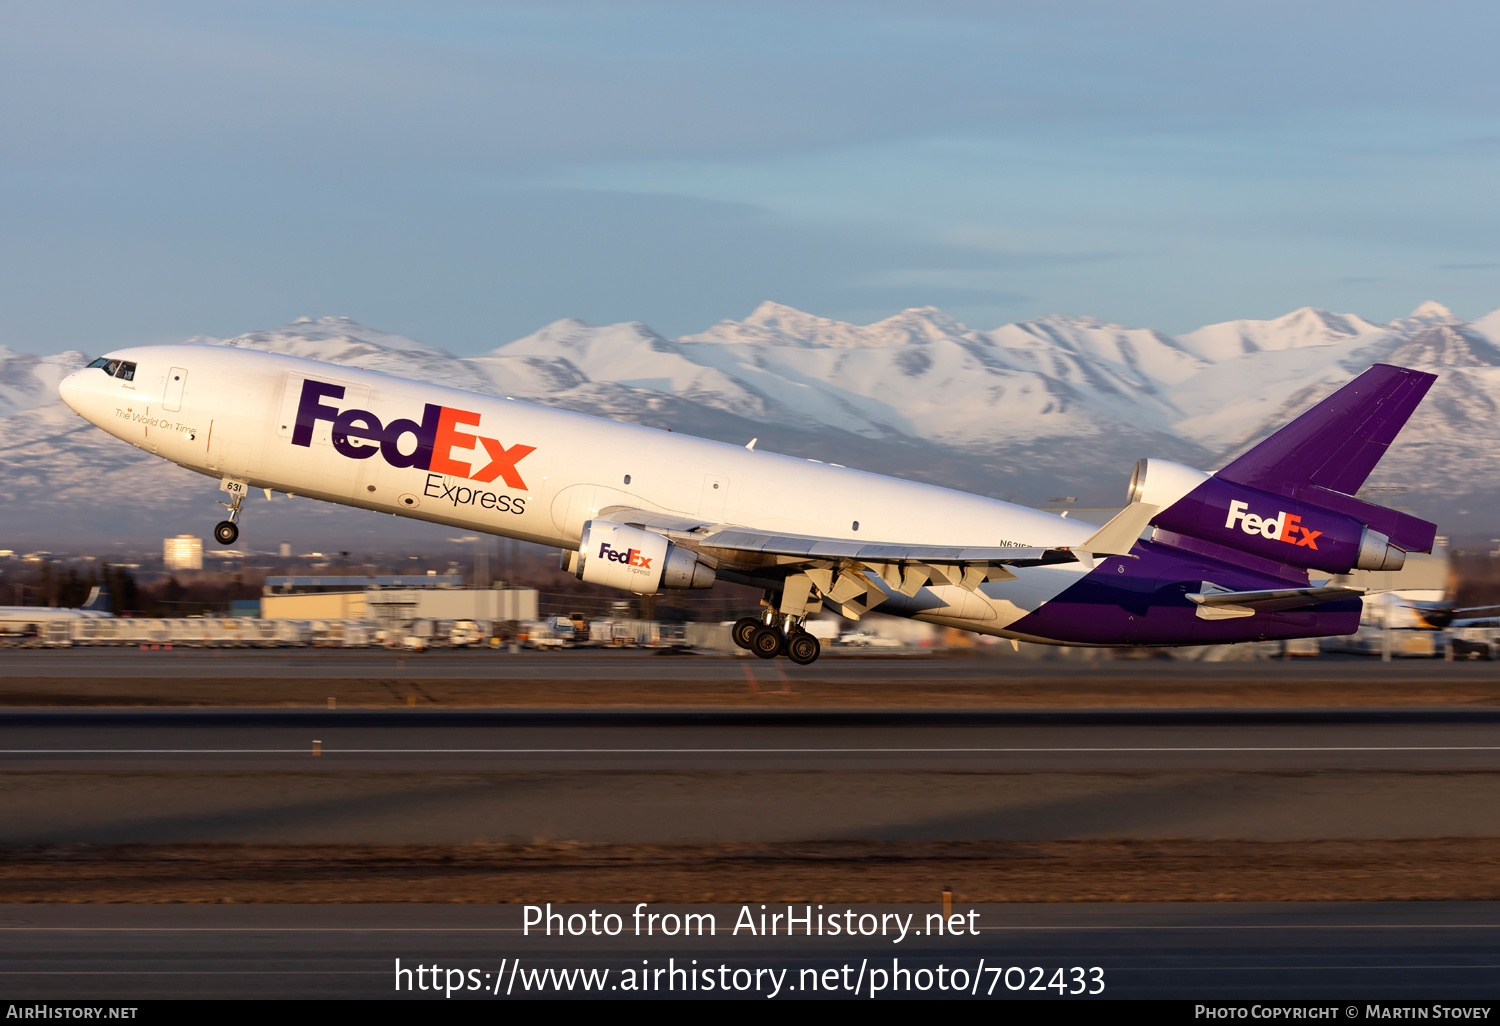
<point>800,547</point>
<point>815,568</point>
<point>837,569</point>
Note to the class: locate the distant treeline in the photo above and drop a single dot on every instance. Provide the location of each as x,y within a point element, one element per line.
<point>53,585</point>
<point>1476,579</point>
<point>194,593</point>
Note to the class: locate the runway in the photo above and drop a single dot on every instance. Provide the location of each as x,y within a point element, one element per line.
<point>147,777</point>
<point>853,666</point>
<point>690,741</point>
<point>450,680</point>
<point>1436,951</point>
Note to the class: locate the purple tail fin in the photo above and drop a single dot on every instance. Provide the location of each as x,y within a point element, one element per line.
<point>1337,443</point>
<point>1325,455</point>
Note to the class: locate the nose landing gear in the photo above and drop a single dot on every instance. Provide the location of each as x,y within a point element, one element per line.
<point>227,532</point>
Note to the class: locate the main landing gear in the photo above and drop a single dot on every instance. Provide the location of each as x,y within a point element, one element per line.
<point>773,634</point>
<point>227,532</point>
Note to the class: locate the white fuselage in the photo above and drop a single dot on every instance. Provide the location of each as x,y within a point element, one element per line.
<point>519,470</point>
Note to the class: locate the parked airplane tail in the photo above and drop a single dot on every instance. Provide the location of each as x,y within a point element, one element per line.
<point>98,599</point>
<point>1290,498</point>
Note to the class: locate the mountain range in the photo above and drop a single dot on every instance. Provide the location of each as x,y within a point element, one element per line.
<point>1031,411</point>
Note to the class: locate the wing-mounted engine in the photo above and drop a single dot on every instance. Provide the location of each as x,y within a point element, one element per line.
<point>635,560</point>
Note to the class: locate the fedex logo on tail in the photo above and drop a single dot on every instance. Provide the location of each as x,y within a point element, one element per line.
<point>359,434</point>
<point>1277,530</point>
<point>1283,526</point>
<point>630,557</point>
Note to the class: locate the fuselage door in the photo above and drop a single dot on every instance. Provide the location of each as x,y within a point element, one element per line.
<point>176,381</point>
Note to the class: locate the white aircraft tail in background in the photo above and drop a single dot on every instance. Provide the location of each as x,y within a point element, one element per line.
<point>15,619</point>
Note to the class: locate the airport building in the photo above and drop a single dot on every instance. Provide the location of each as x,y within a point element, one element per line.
<point>184,552</point>
<point>327,605</point>
<point>393,600</point>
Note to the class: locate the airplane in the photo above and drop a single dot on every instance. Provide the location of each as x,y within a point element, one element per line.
<point>17,619</point>
<point>1438,615</point>
<point>1193,559</point>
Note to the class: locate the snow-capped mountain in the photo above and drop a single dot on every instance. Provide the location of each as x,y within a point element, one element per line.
<point>1026,411</point>
<point>27,382</point>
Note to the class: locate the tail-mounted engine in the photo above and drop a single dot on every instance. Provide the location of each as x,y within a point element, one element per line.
<point>631,559</point>
<point>1277,527</point>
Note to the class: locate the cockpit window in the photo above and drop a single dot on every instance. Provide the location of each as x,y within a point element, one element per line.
<point>122,369</point>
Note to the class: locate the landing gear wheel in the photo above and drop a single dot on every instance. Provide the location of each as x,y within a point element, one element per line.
<point>744,628</point>
<point>802,648</point>
<point>226,533</point>
<point>767,642</point>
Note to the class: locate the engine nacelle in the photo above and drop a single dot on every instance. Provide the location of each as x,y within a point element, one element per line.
<point>1287,530</point>
<point>1278,527</point>
<point>638,561</point>
<point>1377,553</point>
<point>1161,483</point>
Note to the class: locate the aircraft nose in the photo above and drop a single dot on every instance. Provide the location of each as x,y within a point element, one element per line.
<point>70,389</point>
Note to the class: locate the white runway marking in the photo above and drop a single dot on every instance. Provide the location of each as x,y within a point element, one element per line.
<point>734,751</point>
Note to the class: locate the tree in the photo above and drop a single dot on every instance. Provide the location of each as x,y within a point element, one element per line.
<point>124,596</point>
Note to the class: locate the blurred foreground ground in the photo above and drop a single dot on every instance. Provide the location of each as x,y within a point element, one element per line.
<point>584,679</point>
<point>1466,869</point>
<point>1391,802</point>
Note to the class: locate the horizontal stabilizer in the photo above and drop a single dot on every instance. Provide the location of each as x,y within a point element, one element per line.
<point>1215,602</point>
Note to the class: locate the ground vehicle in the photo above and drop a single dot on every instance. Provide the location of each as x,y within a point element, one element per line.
<point>467,632</point>
<point>543,636</point>
<point>862,639</point>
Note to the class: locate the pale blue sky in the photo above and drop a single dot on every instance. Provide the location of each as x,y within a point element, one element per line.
<point>466,172</point>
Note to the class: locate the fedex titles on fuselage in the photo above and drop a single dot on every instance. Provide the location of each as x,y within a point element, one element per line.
<point>437,438</point>
<point>1283,526</point>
